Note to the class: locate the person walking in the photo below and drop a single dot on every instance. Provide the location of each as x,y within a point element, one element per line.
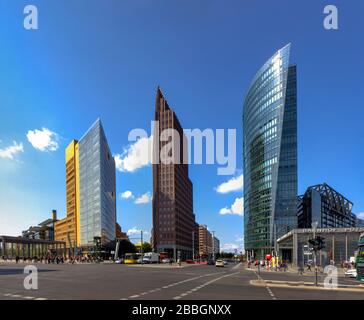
<point>301,269</point>
<point>308,266</point>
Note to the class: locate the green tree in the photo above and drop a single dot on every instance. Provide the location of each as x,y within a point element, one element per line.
<point>147,247</point>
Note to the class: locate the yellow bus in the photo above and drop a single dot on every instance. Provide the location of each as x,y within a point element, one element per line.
<point>131,258</point>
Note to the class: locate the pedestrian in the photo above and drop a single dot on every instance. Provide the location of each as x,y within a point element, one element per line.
<point>301,269</point>
<point>285,266</point>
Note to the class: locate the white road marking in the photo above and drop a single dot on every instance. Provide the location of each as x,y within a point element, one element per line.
<point>204,285</point>
<point>237,266</point>
<point>22,297</point>
<point>266,286</point>
<point>174,284</point>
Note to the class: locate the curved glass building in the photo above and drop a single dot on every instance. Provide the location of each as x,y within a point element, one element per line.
<point>270,154</point>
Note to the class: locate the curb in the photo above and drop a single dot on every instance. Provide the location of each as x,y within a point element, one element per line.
<point>303,285</point>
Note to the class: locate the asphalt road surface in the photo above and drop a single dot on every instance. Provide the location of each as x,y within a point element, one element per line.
<point>121,282</point>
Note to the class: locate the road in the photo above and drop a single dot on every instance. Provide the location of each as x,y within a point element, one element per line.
<point>123,282</point>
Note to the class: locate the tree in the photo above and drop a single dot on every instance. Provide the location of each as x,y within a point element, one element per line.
<point>125,247</point>
<point>147,247</point>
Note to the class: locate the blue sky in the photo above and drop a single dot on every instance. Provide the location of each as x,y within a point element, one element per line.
<point>104,59</point>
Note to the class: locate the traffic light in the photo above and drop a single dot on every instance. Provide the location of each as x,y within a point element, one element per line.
<point>317,243</point>
<point>313,243</point>
<point>320,243</point>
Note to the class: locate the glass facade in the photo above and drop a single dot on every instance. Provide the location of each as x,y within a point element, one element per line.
<point>97,187</point>
<point>270,154</point>
<point>339,245</point>
<point>324,205</point>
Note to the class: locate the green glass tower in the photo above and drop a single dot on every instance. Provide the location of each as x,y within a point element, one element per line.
<point>270,154</point>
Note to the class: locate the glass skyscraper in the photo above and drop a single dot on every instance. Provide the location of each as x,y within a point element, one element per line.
<point>97,187</point>
<point>270,154</point>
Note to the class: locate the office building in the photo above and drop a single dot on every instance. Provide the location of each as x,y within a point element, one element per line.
<point>205,242</point>
<point>97,187</point>
<point>340,244</point>
<point>359,222</point>
<point>173,217</point>
<point>90,192</point>
<point>67,229</point>
<point>327,207</point>
<point>270,154</point>
<point>216,247</point>
<point>208,244</point>
<point>120,234</point>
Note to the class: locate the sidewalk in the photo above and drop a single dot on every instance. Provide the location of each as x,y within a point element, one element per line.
<point>306,285</point>
<point>340,271</point>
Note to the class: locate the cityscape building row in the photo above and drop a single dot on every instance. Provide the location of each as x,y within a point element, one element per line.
<point>272,207</point>
<point>91,197</point>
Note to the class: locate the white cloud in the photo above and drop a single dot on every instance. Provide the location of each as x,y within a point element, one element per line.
<point>236,208</point>
<point>360,215</point>
<point>136,231</point>
<point>144,198</point>
<point>127,194</point>
<point>229,247</point>
<point>118,161</point>
<point>43,140</point>
<point>135,156</point>
<point>234,184</point>
<point>11,151</point>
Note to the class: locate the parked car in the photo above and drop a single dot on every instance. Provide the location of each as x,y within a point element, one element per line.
<point>119,261</point>
<point>166,260</point>
<point>351,273</point>
<point>219,263</point>
<point>225,262</point>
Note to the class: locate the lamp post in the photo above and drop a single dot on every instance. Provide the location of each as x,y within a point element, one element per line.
<point>213,246</point>
<point>193,245</point>
<point>141,245</point>
<point>314,227</point>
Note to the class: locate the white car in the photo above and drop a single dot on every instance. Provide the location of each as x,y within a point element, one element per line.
<point>119,261</point>
<point>219,263</point>
<point>351,273</point>
<point>166,260</point>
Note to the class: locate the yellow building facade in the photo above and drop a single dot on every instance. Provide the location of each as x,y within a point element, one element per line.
<point>68,229</point>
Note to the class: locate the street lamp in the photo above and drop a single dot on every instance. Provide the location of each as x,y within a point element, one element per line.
<point>193,245</point>
<point>213,246</point>
<point>314,227</point>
